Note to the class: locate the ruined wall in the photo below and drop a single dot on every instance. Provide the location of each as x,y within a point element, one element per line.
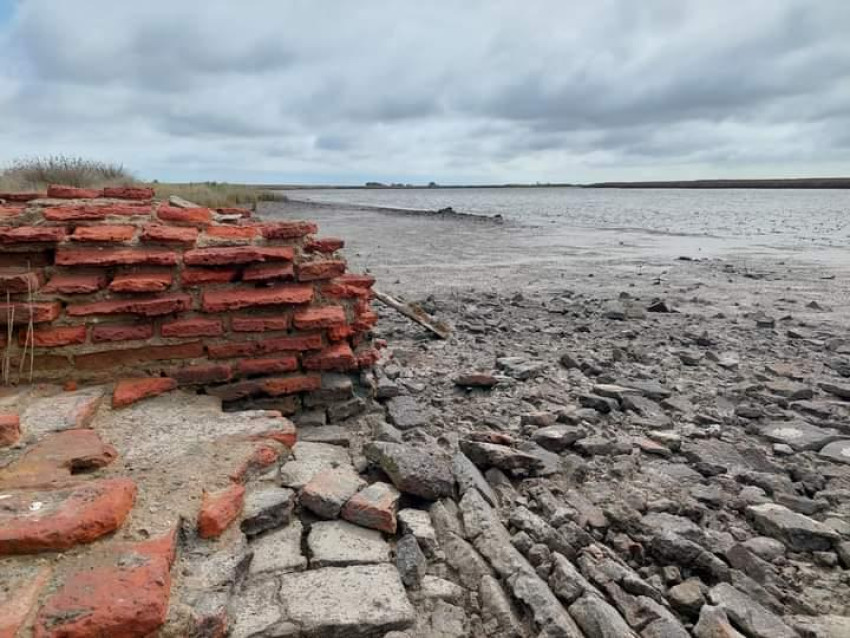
<point>104,285</point>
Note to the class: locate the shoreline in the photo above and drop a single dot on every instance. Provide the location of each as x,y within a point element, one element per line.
<point>445,213</point>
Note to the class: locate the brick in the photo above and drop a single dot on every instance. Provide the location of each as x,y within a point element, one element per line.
<point>115,257</point>
<point>54,337</point>
<point>169,234</point>
<point>259,324</point>
<point>296,343</point>
<point>74,213</point>
<point>108,333</point>
<point>21,197</point>
<point>191,216</point>
<point>32,234</point>
<point>75,284</point>
<point>288,230</point>
<point>325,245</point>
<point>323,317</point>
<point>136,356</point>
<point>128,192</point>
<point>338,290</point>
<point>353,279</point>
<point>202,374</point>
<point>19,282</point>
<point>374,506</point>
<point>24,312</point>
<point>9,212</point>
<point>153,307</point>
<point>129,391</point>
<point>10,429</point>
<point>336,357</point>
<point>219,510</point>
<point>106,233</point>
<point>29,260</point>
<point>243,297</point>
<point>313,270</point>
<point>195,327</point>
<point>56,191</point>
<point>236,391</point>
<point>368,358</point>
<point>237,255</point>
<point>251,367</point>
<point>141,282</point>
<point>291,385</point>
<point>200,276</point>
<point>269,272</point>
<point>338,333</point>
<point>232,232</point>
<point>231,210</point>
<point>365,321</point>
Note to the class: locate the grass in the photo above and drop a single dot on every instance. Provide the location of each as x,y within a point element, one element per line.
<point>217,194</point>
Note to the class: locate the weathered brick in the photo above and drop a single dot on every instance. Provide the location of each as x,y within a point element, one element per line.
<point>21,197</point>
<point>237,255</point>
<point>365,321</point>
<point>115,257</point>
<point>232,210</point>
<point>129,391</point>
<point>24,312</point>
<point>295,343</point>
<point>191,216</point>
<point>243,297</point>
<point>9,212</point>
<point>250,367</point>
<point>169,234</point>
<point>194,327</point>
<point>338,333</point>
<point>10,429</point>
<point>353,279</point>
<point>202,374</point>
<point>135,356</point>
<point>18,282</point>
<point>313,270</point>
<point>290,385</point>
<point>155,306</point>
<point>288,229</point>
<point>238,390</point>
<point>268,272</point>
<point>128,192</point>
<point>338,290</point>
<point>141,282</point>
<point>57,191</point>
<point>324,245</point>
<point>336,357</point>
<point>219,510</point>
<point>54,337</point>
<point>27,260</point>
<point>110,233</point>
<point>323,317</point>
<point>200,276</point>
<point>367,358</point>
<point>232,232</point>
<point>133,332</point>
<point>259,324</point>
<point>75,284</point>
<point>74,213</point>
<point>32,234</point>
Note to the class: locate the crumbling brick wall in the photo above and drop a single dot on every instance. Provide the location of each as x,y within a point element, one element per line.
<point>104,285</point>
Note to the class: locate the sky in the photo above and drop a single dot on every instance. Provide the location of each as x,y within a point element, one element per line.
<point>452,91</point>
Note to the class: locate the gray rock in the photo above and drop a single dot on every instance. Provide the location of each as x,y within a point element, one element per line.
<point>439,588</point>
<point>444,621</point>
<point>383,431</point>
<point>595,446</point>
<point>841,391</point>
<point>342,410</point>
<point>386,389</point>
<point>520,368</point>
<point>799,435</point>
<point>687,597</point>
<point>670,547</point>
<point>419,471</point>
<point>826,626</point>
<point>267,508</point>
<point>649,389</point>
<point>598,403</point>
<point>278,551</point>
<point>599,619</point>
<point>838,451</point>
<point>410,561</point>
<point>468,477</point>
<point>309,460</point>
<point>765,547</point>
<point>476,380</point>
<point>405,413</point>
<point>799,532</point>
<point>557,438</point>
<point>329,490</point>
<point>418,523</point>
<point>501,456</point>
<point>498,613</point>
<point>750,616</point>
<point>330,434</point>
<point>339,543</point>
<point>254,611</point>
<point>713,623</point>
<point>566,581</point>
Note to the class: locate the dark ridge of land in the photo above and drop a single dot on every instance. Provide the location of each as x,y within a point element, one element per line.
<point>806,182</point>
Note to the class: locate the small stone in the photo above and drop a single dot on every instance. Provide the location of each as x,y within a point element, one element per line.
<point>219,509</point>
<point>476,380</point>
<point>267,508</point>
<point>505,458</point>
<point>386,389</point>
<point>422,472</point>
<point>279,551</point>
<point>339,543</point>
<point>410,561</point>
<point>374,507</point>
<point>713,623</point>
<point>329,490</point>
<point>798,532</point>
<point>598,618</point>
<point>405,413</point>
<point>687,597</point>
<point>826,559</point>
<point>799,435</point>
<point>309,460</point>
<point>468,477</point>
<point>557,438</point>
<point>765,547</point>
<point>330,434</point>
<point>418,523</point>
<point>841,391</point>
<point>595,446</point>
<point>520,368</point>
<point>838,451</point>
<point>749,615</point>
<point>603,405</point>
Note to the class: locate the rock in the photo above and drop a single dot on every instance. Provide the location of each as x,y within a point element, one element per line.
<point>410,561</point>
<point>659,305</point>
<point>498,613</point>
<point>329,490</point>
<point>520,368</point>
<point>649,389</point>
<point>825,626</point>
<point>799,435</point>
<point>672,548</point>
<point>418,523</point>
<point>374,507</point>
<point>765,547</point>
<point>713,623</point>
<point>445,621</point>
<point>383,431</point>
<point>749,615</point>
<point>566,581</point>
<point>597,618</point>
<point>790,390</point>
<point>386,389</point>
<point>62,412</point>
<point>595,446</point>
<point>841,391</point>
<point>557,438</point>
<point>405,413</point>
<point>439,588</point>
<point>763,321</point>
<point>468,477</point>
<point>539,418</point>
<point>476,380</point>
<point>357,601</point>
<point>690,357</point>
<point>339,543</point>
<point>330,434</point>
<point>799,532</point>
<point>255,611</point>
<point>838,451</point>
<point>266,508</point>
<point>492,455</point>
<point>603,405</point>
<point>687,597</point>
<point>419,471</point>
<point>279,551</point>
<point>309,460</point>
<point>342,410</point>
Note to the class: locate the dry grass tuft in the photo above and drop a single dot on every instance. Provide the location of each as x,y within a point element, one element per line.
<point>36,173</point>
<point>217,194</point>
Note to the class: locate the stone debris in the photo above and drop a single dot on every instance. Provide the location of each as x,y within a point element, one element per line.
<point>422,472</point>
<point>339,544</point>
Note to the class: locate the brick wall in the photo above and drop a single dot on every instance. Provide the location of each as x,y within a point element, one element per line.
<point>104,285</point>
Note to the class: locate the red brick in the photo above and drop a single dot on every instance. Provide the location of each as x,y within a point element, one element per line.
<point>353,279</point>
<point>250,367</point>
<point>200,276</point>
<point>288,230</point>
<point>39,312</point>
<point>338,333</point>
<point>18,260</point>
<point>74,213</point>
<point>296,343</point>
<point>10,430</point>
<point>57,191</point>
<point>259,324</point>
<point>235,391</point>
<point>219,510</point>
<point>237,255</point>
<point>232,232</point>
<point>32,234</point>
<point>338,290</point>
<point>113,233</point>
<point>54,337</point>
<point>19,282</point>
<point>191,216</point>
<point>107,333</point>
<point>141,282</point>
<point>115,257</point>
<point>21,197</point>
<point>8,212</point>
<point>268,272</point>
<point>75,284</point>
<point>365,321</point>
<point>243,297</point>
<point>169,234</point>
<point>291,385</point>
<point>313,270</point>
<point>324,317</point>
<point>230,210</point>
<point>202,374</point>
<point>135,356</point>
<point>336,357</point>
<point>195,327</point>
<point>128,192</point>
<point>367,358</point>
<point>155,306</point>
<point>129,391</point>
<point>374,507</point>
<point>324,245</point>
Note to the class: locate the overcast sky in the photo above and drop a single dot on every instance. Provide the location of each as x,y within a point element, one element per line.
<point>456,91</point>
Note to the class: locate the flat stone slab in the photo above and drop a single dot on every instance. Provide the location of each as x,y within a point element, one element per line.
<point>422,472</point>
<point>749,615</point>
<point>310,459</point>
<point>329,490</point>
<point>358,601</point>
<point>799,435</point>
<point>279,551</point>
<point>330,434</point>
<point>838,451</point>
<point>267,508</point>
<point>405,413</point>
<point>61,412</point>
<point>799,532</point>
<point>340,543</point>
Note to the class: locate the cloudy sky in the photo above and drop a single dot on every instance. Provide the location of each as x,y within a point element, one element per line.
<point>457,91</point>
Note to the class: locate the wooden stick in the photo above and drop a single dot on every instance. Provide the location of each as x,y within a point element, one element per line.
<point>415,314</point>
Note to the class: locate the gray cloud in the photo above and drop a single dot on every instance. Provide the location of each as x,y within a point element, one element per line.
<point>484,90</point>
